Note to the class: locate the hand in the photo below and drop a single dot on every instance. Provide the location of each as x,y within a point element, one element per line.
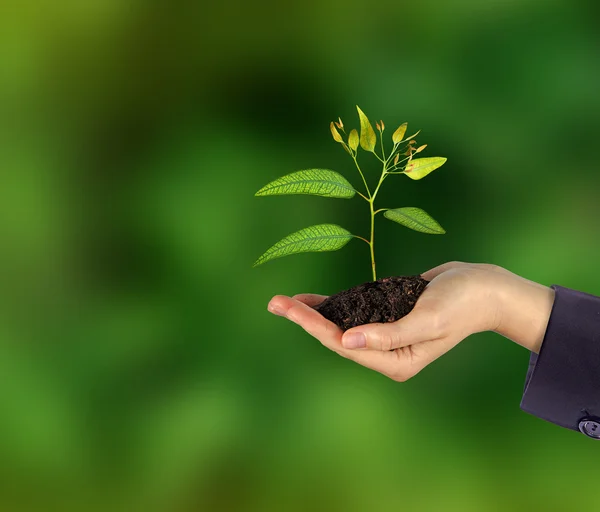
<point>461,299</point>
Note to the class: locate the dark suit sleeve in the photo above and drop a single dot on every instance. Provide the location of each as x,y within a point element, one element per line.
<point>563,382</point>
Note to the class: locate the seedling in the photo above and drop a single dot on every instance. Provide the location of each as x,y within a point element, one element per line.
<point>327,183</point>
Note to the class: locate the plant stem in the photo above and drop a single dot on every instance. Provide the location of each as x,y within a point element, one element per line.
<point>383,175</point>
<point>373,212</point>
<point>372,239</point>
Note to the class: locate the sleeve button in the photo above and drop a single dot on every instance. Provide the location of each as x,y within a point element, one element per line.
<point>590,427</point>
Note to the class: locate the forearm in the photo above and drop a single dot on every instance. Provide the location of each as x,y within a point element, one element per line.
<point>525,309</point>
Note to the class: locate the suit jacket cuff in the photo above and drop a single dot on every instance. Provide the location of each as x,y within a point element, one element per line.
<point>563,382</point>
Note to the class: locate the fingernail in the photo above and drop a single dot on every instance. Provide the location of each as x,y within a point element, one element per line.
<point>354,340</point>
<point>276,310</point>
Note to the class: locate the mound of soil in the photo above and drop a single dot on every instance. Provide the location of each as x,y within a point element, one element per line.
<point>386,300</point>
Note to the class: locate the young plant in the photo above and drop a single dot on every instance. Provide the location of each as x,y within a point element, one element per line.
<point>326,183</point>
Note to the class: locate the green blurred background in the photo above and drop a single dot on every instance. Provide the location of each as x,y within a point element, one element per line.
<point>139,367</point>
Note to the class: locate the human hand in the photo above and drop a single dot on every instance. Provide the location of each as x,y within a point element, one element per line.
<point>461,299</point>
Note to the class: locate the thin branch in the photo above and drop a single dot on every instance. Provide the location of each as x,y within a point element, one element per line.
<point>362,176</point>
<point>379,158</point>
<point>392,153</point>
<point>391,171</point>
<point>363,239</point>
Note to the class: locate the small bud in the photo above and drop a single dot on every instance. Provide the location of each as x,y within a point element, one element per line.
<point>339,124</point>
<point>397,158</point>
<point>378,126</point>
<point>336,136</point>
<point>421,148</point>
<point>382,125</point>
<point>413,142</point>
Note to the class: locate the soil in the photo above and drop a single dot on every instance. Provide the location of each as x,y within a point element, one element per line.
<point>386,300</point>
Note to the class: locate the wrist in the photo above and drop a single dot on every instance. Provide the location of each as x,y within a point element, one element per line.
<point>524,310</point>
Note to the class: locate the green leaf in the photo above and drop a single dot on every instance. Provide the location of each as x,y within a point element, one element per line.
<point>399,133</point>
<point>415,218</point>
<point>368,139</point>
<point>413,135</point>
<point>420,167</point>
<point>319,238</point>
<point>353,140</point>
<point>316,182</point>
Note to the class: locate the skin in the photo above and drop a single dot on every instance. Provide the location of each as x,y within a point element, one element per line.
<point>461,299</point>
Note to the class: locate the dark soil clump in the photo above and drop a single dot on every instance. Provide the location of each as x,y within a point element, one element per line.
<point>386,300</point>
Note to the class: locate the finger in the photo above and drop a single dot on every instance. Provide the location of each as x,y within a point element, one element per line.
<point>311,321</point>
<point>413,358</point>
<point>277,305</point>
<point>418,326</point>
<point>310,299</point>
<point>402,363</point>
<point>391,364</point>
<point>436,271</point>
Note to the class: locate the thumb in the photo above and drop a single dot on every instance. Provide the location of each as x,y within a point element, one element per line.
<point>419,325</point>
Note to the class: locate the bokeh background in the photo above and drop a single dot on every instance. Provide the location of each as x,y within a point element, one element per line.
<point>139,367</point>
